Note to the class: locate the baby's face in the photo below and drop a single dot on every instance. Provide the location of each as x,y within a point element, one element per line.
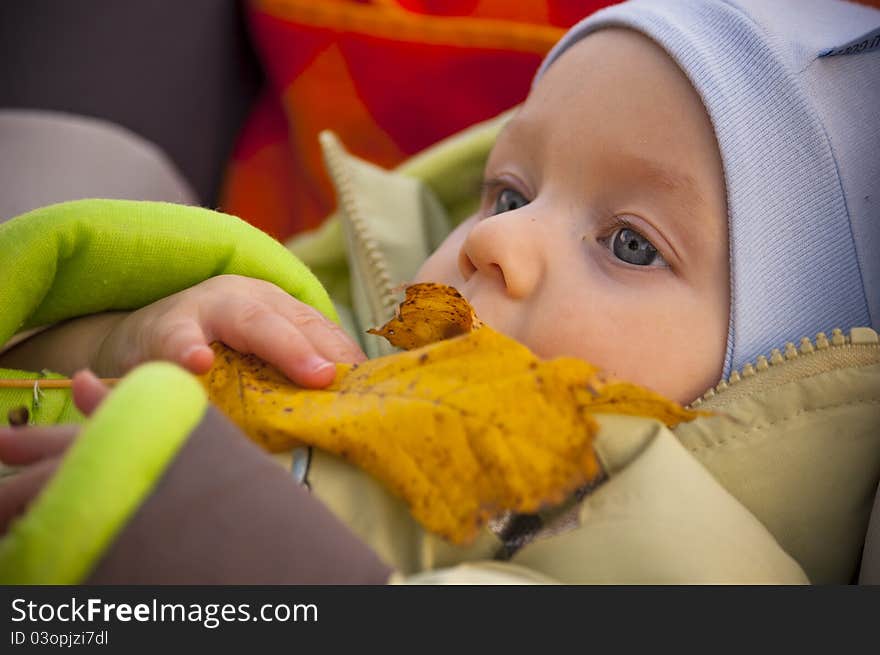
<point>602,232</point>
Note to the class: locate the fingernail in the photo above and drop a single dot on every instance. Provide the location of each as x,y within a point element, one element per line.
<point>189,351</point>
<point>317,364</point>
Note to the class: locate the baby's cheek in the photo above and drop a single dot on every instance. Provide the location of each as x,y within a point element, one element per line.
<point>680,364</point>
<point>563,330</point>
<point>627,347</point>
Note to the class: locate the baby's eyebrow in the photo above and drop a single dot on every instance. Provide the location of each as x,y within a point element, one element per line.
<point>662,176</point>
<point>681,206</point>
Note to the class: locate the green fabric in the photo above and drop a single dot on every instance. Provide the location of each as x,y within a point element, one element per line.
<point>48,407</point>
<point>105,476</point>
<point>91,256</point>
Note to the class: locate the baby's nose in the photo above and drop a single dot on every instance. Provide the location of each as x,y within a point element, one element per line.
<point>506,248</point>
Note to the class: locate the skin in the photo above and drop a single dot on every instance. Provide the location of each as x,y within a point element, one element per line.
<point>602,139</point>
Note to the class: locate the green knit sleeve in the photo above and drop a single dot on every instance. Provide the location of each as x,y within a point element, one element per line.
<point>90,256</point>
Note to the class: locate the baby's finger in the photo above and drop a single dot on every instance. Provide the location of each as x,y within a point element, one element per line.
<point>26,445</point>
<point>269,336</point>
<point>327,337</point>
<point>184,343</point>
<point>88,391</point>
<point>17,492</point>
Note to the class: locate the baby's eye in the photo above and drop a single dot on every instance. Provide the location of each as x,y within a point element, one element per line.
<point>508,200</point>
<point>631,247</point>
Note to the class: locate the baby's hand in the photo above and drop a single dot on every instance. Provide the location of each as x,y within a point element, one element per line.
<point>251,316</point>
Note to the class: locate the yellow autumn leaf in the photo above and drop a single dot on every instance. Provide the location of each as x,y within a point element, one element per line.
<point>429,313</point>
<point>462,430</point>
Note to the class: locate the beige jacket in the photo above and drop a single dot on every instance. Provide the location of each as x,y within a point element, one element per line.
<point>777,488</point>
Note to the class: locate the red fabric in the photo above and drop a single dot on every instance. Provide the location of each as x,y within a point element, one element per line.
<point>390,77</point>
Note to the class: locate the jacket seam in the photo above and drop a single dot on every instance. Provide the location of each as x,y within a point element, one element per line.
<point>757,429</point>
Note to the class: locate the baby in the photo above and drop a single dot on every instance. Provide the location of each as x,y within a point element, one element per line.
<point>683,190</point>
<point>688,185</point>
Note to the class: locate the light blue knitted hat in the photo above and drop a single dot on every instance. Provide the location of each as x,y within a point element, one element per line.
<point>793,91</point>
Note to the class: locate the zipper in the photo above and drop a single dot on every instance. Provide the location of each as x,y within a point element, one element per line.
<point>366,253</point>
<point>860,347</point>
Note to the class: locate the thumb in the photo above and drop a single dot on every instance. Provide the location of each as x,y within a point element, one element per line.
<point>88,391</point>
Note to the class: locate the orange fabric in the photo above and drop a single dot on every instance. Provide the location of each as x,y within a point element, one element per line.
<point>391,77</point>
